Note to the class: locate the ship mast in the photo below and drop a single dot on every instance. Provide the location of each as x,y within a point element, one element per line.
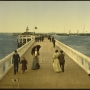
<point>83,29</point>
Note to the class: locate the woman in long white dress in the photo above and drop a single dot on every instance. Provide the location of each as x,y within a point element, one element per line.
<point>56,65</point>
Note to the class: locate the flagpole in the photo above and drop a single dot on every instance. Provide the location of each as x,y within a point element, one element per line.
<point>34,30</point>
<point>83,29</point>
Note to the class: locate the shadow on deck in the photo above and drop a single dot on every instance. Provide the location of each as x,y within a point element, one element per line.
<point>45,77</point>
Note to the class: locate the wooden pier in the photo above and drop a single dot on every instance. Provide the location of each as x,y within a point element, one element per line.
<point>74,76</point>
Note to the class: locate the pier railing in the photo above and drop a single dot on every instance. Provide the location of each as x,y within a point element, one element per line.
<point>6,63</point>
<point>82,60</point>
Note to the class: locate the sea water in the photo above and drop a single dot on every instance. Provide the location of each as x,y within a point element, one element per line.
<point>8,44</point>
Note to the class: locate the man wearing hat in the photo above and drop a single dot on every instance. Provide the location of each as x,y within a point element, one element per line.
<point>61,60</point>
<point>16,60</point>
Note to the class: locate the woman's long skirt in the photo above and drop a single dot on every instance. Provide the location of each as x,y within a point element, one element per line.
<point>56,66</point>
<point>35,64</point>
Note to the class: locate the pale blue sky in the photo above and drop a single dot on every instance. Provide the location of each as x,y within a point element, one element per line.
<point>47,16</point>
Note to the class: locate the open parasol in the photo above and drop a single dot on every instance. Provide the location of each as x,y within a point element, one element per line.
<point>33,49</point>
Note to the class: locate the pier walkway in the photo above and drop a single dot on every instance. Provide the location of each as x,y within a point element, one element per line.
<point>44,78</point>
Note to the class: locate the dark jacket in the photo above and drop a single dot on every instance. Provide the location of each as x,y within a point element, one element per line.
<point>24,64</point>
<point>16,58</point>
<point>61,58</point>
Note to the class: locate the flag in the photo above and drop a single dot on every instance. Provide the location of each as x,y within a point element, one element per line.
<point>35,27</point>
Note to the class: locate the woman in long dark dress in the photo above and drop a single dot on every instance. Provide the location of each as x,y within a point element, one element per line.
<point>24,64</point>
<point>35,63</point>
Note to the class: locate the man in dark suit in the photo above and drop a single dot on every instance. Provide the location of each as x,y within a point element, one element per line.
<point>53,43</point>
<point>61,60</point>
<point>16,60</point>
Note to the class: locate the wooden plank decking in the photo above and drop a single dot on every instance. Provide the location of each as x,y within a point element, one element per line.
<point>45,77</point>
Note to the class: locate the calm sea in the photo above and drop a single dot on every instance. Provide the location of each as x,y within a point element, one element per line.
<point>8,43</point>
<point>79,43</point>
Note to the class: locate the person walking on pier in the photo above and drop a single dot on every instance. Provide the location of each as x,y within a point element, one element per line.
<point>56,65</point>
<point>24,64</point>
<point>16,60</point>
<point>35,64</point>
<point>53,43</point>
<point>61,60</point>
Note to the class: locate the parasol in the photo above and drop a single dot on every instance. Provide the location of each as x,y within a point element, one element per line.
<point>33,49</point>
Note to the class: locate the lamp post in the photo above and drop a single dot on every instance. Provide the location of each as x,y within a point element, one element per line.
<point>34,30</point>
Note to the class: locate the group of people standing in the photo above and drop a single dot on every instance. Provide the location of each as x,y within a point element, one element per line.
<point>52,40</point>
<point>39,38</point>
<point>16,61</point>
<point>58,61</point>
<point>35,64</point>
